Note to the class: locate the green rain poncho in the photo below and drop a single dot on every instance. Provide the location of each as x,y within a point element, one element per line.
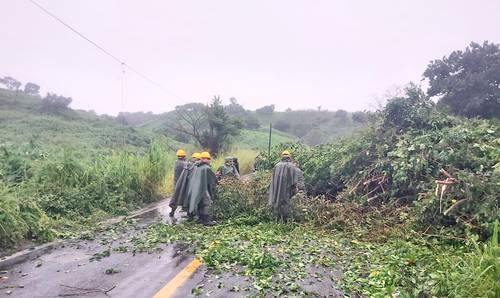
<point>178,168</point>
<point>285,178</point>
<point>301,184</point>
<point>202,182</point>
<point>181,187</point>
<point>228,171</point>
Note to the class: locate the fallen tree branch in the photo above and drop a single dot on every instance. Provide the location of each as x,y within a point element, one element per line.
<point>79,293</point>
<point>444,236</point>
<point>444,172</point>
<point>372,198</point>
<point>85,291</point>
<point>11,287</point>
<point>355,187</point>
<point>452,207</point>
<point>82,289</point>
<point>372,191</point>
<point>109,290</point>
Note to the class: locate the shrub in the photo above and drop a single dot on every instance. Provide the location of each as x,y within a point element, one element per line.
<point>21,218</point>
<point>238,197</point>
<point>397,159</point>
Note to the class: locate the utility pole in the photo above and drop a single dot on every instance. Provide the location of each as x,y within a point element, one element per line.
<point>269,145</point>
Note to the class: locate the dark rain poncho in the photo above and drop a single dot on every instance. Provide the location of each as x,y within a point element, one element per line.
<point>201,184</point>
<point>284,179</point>
<point>301,184</point>
<point>228,170</point>
<point>181,187</point>
<point>178,168</point>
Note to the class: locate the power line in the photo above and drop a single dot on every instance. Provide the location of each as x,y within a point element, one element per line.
<point>120,61</point>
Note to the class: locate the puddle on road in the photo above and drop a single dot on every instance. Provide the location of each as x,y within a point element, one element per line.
<point>160,214</point>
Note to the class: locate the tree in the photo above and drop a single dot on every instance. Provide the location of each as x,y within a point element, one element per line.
<point>301,129</point>
<point>210,126</point>
<point>468,81</point>
<point>251,122</point>
<point>54,103</point>
<point>341,115</point>
<point>122,119</point>
<point>11,83</point>
<point>266,110</point>
<point>235,109</point>
<point>31,88</point>
<point>313,137</point>
<point>413,110</point>
<point>359,117</point>
<point>282,125</point>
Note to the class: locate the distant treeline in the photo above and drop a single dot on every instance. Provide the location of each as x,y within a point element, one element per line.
<point>51,103</point>
<point>465,83</point>
<point>310,126</point>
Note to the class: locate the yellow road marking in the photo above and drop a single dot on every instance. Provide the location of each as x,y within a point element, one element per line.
<point>169,289</point>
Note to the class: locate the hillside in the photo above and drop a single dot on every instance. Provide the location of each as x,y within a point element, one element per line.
<point>314,127</point>
<point>22,121</point>
<point>311,127</point>
<point>255,139</point>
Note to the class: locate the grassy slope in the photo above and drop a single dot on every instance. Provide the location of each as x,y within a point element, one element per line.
<point>329,126</point>
<point>22,121</point>
<point>258,139</point>
<point>248,139</point>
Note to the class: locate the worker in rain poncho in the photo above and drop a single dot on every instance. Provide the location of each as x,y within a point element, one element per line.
<point>179,164</point>
<point>201,190</point>
<point>284,182</point>
<point>227,169</point>
<point>301,183</point>
<point>181,187</point>
<point>236,164</point>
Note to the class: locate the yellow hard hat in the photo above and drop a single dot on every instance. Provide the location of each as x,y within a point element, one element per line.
<point>181,153</point>
<point>205,154</point>
<point>285,153</point>
<point>196,155</point>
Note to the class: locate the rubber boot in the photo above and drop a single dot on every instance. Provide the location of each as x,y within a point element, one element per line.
<point>172,212</point>
<point>205,220</point>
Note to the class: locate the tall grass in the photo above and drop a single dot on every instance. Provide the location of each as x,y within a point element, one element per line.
<point>21,218</point>
<point>65,186</point>
<point>477,273</point>
<point>157,170</point>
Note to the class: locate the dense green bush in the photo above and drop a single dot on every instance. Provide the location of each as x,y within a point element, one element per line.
<point>237,197</point>
<point>398,158</point>
<point>21,218</point>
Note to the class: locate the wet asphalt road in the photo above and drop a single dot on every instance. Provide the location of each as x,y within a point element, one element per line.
<point>81,268</point>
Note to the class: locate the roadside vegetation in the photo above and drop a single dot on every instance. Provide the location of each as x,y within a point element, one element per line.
<point>45,194</point>
<point>407,207</point>
<point>62,171</point>
<point>404,205</point>
<point>363,251</point>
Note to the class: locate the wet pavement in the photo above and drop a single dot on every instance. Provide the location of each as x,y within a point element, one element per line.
<point>109,266</point>
<point>106,266</point>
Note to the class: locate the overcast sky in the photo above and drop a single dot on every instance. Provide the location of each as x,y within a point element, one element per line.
<point>297,54</point>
